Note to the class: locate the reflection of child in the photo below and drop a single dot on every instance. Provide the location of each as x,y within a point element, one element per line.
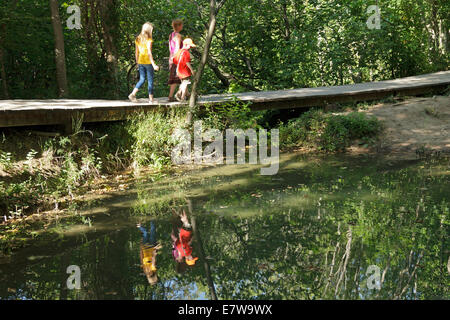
<point>148,252</point>
<point>181,243</point>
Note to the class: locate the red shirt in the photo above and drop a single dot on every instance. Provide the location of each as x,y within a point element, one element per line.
<point>183,246</point>
<point>182,57</point>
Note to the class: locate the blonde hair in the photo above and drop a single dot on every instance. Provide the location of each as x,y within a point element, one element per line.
<point>152,278</point>
<point>151,275</point>
<point>176,24</point>
<point>146,33</point>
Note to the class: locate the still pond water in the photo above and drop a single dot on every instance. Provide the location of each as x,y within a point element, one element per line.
<point>322,228</point>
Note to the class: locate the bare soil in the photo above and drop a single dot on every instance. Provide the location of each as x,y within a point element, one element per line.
<point>413,127</point>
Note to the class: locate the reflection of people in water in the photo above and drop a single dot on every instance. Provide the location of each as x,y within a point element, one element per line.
<point>181,243</point>
<point>148,252</point>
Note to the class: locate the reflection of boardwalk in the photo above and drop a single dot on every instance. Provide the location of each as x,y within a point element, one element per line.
<point>44,112</point>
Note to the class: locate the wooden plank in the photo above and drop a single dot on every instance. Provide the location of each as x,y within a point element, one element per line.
<point>356,97</point>
<point>51,112</point>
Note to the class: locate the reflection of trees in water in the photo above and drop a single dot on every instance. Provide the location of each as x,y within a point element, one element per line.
<point>297,258</point>
<point>110,269</point>
<point>395,220</point>
<point>201,252</point>
<point>285,254</point>
<point>306,260</point>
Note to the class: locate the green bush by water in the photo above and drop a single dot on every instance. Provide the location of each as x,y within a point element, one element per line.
<point>328,132</point>
<point>234,114</point>
<point>64,164</point>
<point>152,137</point>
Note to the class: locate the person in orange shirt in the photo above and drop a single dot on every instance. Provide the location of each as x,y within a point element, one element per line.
<point>144,59</point>
<point>184,68</point>
<point>182,244</point>
<point>148,252</point>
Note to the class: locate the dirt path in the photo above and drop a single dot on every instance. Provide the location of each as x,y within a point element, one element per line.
<point>411,125</point>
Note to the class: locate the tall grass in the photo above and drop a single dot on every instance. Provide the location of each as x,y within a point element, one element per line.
<point>63,164</point>
<point>152,137</point>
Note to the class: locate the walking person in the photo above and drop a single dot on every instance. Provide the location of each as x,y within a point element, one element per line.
<point>175,44</point>
<point>184,68</point>
<point>145,61</point>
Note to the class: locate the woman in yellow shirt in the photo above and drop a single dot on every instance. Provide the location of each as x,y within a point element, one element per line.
<point>148,251</point>
<point>144,59</point>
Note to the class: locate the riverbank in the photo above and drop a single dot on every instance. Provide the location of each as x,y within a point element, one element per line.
<point>414,127</point>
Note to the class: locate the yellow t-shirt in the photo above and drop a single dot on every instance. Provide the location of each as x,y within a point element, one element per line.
<point>144,56</point>
<point>147,253</point>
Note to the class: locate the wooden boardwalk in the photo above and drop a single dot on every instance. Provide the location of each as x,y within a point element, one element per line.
<point>14,113</point>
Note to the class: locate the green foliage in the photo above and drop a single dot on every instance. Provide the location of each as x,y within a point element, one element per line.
<point>64,164</point>
<point>6,161</point>
<point>152,136</point>
<point>234,114</point>
<point>328,132</point>
<point>258,45</point>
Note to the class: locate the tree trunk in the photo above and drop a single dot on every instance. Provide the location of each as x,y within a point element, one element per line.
<point>202,254</point>
<point>347,256</point>
<point>60,56</point>
<point>287,25</point>
<point>2,55</point>
<point>224,79</point>
<point>89,15</point>
<point>107,16</point>
<point>2,62</point>
<point>213,10</point>
<point>442,38</point>
<point>3,74</point>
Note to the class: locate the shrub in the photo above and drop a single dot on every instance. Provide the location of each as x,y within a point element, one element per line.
<point>327,132</point>
<point>152,136</point>
<point>234,114</point>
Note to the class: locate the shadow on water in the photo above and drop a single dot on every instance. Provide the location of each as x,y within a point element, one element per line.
<point>322,228</point>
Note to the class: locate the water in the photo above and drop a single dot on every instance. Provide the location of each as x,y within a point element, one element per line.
<point>323,228</point>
